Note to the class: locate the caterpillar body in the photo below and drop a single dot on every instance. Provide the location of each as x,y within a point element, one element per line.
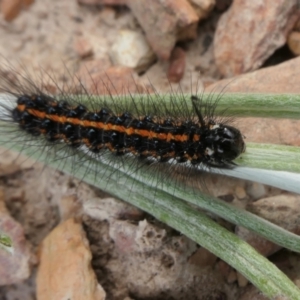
<point>176,135</point>
<point>200,142</point>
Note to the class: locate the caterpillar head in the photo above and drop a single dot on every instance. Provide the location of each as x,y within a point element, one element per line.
<point>223,144</point>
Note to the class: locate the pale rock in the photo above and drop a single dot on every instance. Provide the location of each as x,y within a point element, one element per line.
<point>108,209</point>
<point>102,209</point>
<point>132,50</point>
<point>65,266</point>
<point>256,190</point>
<point>250,31</point>
<point>283,210</point>
<point>165,23</point>
<point>203,7</point>
<point>8,169</point>
<point>240,192</point>
<point>282,78</point>
<point>123,234</point>
<point>69,206</point>
<point>15,263</point>
<point>294,42</point>
<point>146,249</point>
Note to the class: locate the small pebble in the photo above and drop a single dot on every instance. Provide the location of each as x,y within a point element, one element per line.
<point>294,42</point>
<point>256,190</point>
<point>132,50</point>
<point>242,280</point>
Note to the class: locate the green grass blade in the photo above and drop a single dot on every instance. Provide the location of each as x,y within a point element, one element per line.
<point>271,157</point>
<point>261,105</point>
<point>235,104</point>
<point>6,242</point>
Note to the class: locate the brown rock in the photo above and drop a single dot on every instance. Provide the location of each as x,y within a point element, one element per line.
<point>297,25</point>
<point>252,292</point>
<point>65,271</point>
<point>227,271</point>
<point>282,78</point>
<point>14,264</point>
<point>177,65</point>
<point>224,268</point>
<point>202,258</point>
<point>232,276</point>
<point>242,281</point>
<point>294,42</point>
<point>250,31</point>
<point>283,210</point>
<point>9,169</point>
<point>10,9</point>
<point>83,47</point>
<point>27,3</point>
<point>165,22</point>
<point>203,7</point>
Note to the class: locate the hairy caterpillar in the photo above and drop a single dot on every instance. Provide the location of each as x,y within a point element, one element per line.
<point>182,134</point>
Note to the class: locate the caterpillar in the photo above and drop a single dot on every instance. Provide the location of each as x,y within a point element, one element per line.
<point>202,141</point>
<point>181,132</point>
